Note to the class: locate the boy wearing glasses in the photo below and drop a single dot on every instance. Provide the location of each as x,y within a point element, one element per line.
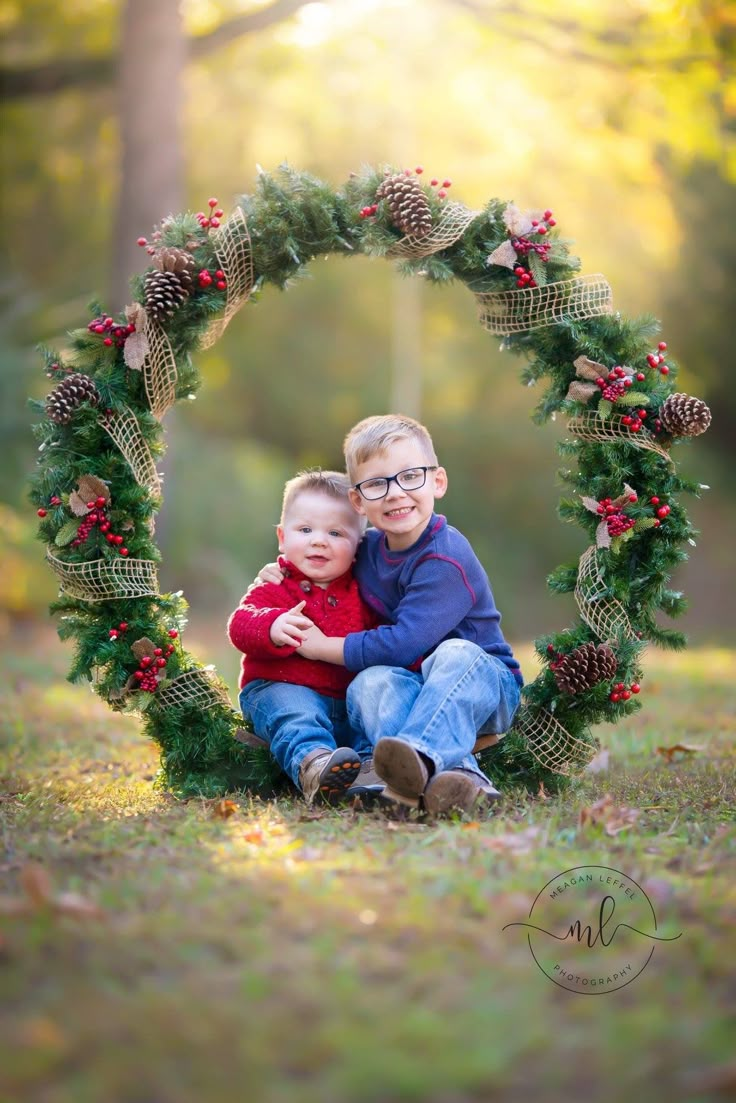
<point>440,671</point>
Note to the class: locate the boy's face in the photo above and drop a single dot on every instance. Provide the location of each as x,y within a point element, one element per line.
<point>320,536</point>
<point>402,514</point>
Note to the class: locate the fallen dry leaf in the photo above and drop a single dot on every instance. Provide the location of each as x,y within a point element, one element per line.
<point>255,835</point>
<point>36,884</point>
<point>472,826</point>
<point>224,809</point>
<point>614,818</point>
<point>40,896</point>
<point>679,748</point>
<point>517,842</point>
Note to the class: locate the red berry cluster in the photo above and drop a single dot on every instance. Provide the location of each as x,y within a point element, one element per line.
<point>114,334</point>
<point>634,423</point>
<point>615,383</point>
<point>656,359</point>
<point>97,516</point>
<point>622,692</point>
<point>661,510</point>
<point>55,369</point>
<point>524,246</point>
<point>434,182</point>
<point>206,279</point>
<point>53,501</point>
<point>149,666</point>
<point>617,520</point>
<point>555,657</point>
<point>368,212</point>
<point>115,632</point>
<point>211,221</point>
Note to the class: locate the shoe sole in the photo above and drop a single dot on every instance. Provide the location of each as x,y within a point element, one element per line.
<point>401,768</point>
<point>452,792</point>
<point>338,775</point>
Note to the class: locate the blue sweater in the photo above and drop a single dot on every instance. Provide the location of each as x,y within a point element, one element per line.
<point>435,590</point>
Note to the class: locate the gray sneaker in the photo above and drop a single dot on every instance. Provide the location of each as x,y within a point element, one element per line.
<point>459,791</point>
<point>368,786</point>
<point>328,773</point>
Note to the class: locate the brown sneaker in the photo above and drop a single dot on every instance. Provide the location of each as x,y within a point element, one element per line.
<point>403,770</point>
<point>459,791</point>
<point>367,785</point>
<point>328,773</point>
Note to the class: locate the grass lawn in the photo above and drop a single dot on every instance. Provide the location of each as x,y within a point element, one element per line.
<point>281,954</point>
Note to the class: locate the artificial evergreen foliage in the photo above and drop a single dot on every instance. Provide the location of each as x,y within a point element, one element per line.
<point>291,218</point>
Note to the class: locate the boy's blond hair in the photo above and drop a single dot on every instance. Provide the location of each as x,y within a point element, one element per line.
<point>333,484</point>
<point>374,435</point>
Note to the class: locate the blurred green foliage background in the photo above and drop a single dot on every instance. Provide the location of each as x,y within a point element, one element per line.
<point>619,115</point>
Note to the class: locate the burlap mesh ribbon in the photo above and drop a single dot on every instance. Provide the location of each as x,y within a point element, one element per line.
<point>159,370</point>
<point>124,430</point>
<point>106,580</point>
<point>504,312</point>
<point>451,225</point>
<point>196,687</point>
<point>591,426</point>
<point>549,742</point>
<point>235,257</point>
<point>605,615</point>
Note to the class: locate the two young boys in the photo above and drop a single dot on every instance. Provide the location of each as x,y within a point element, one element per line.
<point>421,685</point>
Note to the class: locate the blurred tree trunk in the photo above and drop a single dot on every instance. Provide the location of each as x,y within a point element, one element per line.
<point>150,91</point>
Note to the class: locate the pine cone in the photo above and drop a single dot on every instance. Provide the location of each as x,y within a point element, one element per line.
<point>180,261</point>
<point>65,398</point>
<point>409,206</point>
<point>683,416</point>
<point>165,292</point>
<point>585,667</point>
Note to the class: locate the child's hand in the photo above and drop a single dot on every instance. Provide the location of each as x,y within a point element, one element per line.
<point>270,573</point>
<point>289,629</point>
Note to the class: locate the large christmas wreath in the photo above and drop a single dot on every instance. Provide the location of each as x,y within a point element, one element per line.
<point>97,490</point>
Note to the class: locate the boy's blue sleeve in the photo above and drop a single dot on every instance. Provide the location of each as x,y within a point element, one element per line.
<point>438,598</point>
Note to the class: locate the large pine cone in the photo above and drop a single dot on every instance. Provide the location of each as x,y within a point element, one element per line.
<point>70,393</point>
<point>585,667</point>
<point>684,416</point>
<point>180,261</point>
<point>409,206</point>
<point>165,292</point>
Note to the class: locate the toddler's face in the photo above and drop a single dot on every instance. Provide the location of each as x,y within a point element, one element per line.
<point>402,514</point>
<point>320,536</point>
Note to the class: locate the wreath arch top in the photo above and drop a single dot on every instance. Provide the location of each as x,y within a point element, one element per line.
<point>97,489</point>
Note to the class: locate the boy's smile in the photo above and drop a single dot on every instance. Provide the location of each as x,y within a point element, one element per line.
<point>402,514</point>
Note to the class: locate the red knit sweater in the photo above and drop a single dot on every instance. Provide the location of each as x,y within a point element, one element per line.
<point>336,610</point>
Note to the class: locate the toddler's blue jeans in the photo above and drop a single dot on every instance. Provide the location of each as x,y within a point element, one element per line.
<point>295,720</point>
<point>461,691</point>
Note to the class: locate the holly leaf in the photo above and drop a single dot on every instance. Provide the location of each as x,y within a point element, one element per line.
<point>143,647</point>
<point>505,254</point>
<point>604,408</point>
<point>633,398</point>
<point>602,535</point>
<point>589,369</point>
<point>67,533</point>
<point>590,503</point>
<point>581,392</point>
<point>135,350</point>
<point>90,487</point>
<point>519,222</point>
<point>77,505</point>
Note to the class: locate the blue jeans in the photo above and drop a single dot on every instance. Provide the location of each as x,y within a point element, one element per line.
<point>295,720</point>
<point>460,691</point>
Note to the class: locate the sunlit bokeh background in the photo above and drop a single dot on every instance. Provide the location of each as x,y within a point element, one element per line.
<point>618,115</point>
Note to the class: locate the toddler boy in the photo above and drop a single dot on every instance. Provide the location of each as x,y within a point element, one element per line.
<point>297,706</point>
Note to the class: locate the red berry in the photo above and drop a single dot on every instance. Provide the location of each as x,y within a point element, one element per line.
<point>211,202</point>
<point>118,539</point>
<point>662,345</point>
<point>656,523</point>
<point>113,634</point>
<point>627,420</point>
<point>635,687</point>
<point>219,274</point>
<point>628,382</point>
<point>625,695</point>
<point>215,222</point>
<point>633,497</point>
<point>204,223</point>
<point>442,193</point>
<point>107,341</point>
<point>221,285</point>
<point>518,271</point>
<point>146,661</point>
<point>123,626</point>
<point>551,221</point>
<point>160,663</point>
<point>41,512</point>
<point>219,213</point>
<point>123,551</point>
<point>173,633</point>
<point>642,413</point>
<point>541,229</point>
<point>419,170</point>
<point>654,501</point>
<point>434,182</point>
<point>138,675</point>
<point>615,696</point>
<point>55,501</point>
<point>663,511</point>
<point>105,527</point>
<point>447,183</point>
<point>99,329</point>
<point>640,376</point>
<point>547,215</point>
<point>664,370</point>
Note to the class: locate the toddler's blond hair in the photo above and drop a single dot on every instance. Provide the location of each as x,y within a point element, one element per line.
<point>333,484</point>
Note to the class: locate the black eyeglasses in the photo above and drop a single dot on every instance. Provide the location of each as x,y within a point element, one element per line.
<point>412,478</point>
